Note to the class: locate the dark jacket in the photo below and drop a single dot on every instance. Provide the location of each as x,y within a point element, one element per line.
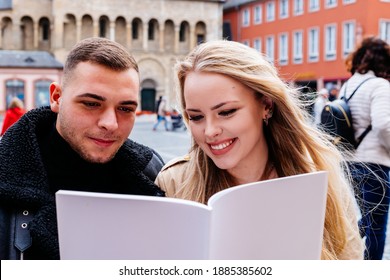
<point>27,206</point>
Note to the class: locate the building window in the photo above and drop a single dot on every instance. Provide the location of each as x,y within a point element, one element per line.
<point>330,42</point>
<point>42,95</point>
<point>134,29</point>
<point>314,5</point>
<point>298,7</point>
<point>245,17</point>
<point>257,44</point>
<point>183,32</point>
<point>283,49</point>
<point>102,27</point>
<point>5,4</point>
<point>200,38</point>
<point>348,1</point>
<point>269,49</point>
<point>246,43</point>
<point>297,47</point>
<point>151,31</point>
<point>348,38</point>
<point>14,88</point>
<point>258,14</point>
<point>330,3</point>
<point>45,29</point>
<point>384,30</point>
<point>283,8</point>
<point>270,11</point>
<point>313,46</point>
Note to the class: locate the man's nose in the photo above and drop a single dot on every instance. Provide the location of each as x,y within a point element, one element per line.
<point>108,120</point>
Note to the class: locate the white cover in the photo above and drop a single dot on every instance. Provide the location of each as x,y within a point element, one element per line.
<point>275,219</point>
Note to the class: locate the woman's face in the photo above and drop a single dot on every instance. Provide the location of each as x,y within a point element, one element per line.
<point>226,121</point>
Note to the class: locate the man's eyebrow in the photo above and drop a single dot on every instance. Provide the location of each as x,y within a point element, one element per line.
<point>93,96</point>
<point>129,102</point>
<point>101,98</point>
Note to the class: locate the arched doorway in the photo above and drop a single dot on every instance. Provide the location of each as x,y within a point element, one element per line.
<point>148,95</point>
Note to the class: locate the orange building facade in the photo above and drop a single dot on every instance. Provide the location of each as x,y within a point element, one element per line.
<point>307,40</point>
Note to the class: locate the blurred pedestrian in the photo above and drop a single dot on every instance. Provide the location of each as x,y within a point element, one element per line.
<point>79,143</point>
<point>161,114</point>
<point>13,114</point>
<point>370,107</point>
<point>247,125</point>
<point>320,101</point>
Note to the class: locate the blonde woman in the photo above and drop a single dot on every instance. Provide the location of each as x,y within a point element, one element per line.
<point>247,125</point>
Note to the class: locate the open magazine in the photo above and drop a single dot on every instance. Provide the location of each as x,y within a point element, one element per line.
<point>275,219</point>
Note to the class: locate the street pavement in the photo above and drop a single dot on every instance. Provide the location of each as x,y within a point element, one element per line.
<point>170,144</point>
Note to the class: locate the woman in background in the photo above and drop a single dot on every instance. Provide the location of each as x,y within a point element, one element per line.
<point>370,107</point>
<point>13,114</point>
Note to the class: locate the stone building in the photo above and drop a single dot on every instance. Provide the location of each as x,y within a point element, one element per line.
<point>157,32</point>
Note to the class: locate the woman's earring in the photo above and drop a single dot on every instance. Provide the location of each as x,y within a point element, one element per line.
<point>268,116</point>
<point>265,120</point>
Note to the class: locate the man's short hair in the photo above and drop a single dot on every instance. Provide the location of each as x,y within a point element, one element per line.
<point>100,51</point>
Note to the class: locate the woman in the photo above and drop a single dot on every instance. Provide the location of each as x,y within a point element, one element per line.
<point>13,114</point>
<point>247,126</point>
<point>370,105</point>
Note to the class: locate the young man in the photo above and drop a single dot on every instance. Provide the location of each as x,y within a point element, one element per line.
<point>79,143</point>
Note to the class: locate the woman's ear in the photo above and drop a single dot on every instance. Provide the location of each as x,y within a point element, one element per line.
<point>268,106</point>
<point>55,96</point>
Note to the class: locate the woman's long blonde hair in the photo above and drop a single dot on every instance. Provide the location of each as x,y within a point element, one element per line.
<point>295,146</point>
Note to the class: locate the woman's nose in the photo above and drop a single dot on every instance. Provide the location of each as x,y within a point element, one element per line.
<point>212,128</point>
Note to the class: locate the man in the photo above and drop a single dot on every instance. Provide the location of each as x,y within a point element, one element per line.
<point>79,143</point>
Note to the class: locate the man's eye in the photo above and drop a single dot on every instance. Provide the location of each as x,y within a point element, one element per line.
<point>195,118</point>
<point>126,109</point>
<point>91,104</point>
<point>228,112</point>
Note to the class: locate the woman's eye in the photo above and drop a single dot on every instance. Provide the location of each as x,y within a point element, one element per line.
<point>227,112</point>
<point>195,118</point>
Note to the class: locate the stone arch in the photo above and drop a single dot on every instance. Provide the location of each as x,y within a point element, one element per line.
<point>153,35</point>
<point>86,27</point>
<point>137,33</point>
<point>200,32</point>
<point>169,36</point>
<point>184,37</point>
<point>7,34</point>
<point>44,34</point>
<point>151,70</point>
<point>27,33</point>
<point>104,27</point>
<point>70,31</point>
<point>120,31</point>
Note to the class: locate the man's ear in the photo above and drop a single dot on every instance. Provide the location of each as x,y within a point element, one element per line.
<point>55,96</point>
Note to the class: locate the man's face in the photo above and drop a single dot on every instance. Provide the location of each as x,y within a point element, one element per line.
<point>96,110</point>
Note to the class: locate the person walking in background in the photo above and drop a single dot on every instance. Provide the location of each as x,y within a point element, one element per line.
<point>161,114</point>
<point>248,125</point>
<point>370,106</point>
<point>13,114</point>
<point>319,104</point>
<point>79,143</point>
